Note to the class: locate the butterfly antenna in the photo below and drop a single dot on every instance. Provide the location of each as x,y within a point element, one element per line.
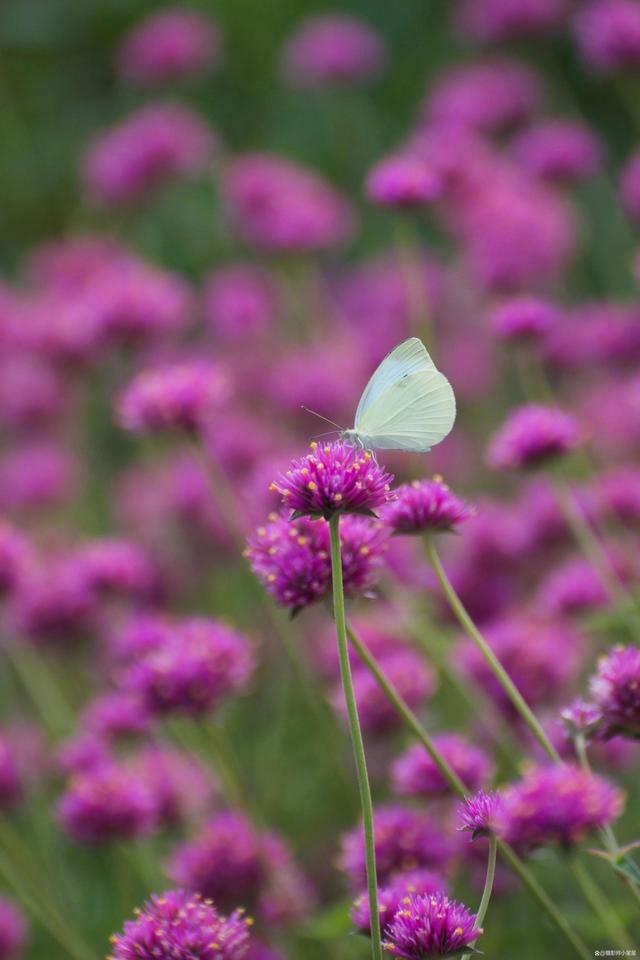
<point>326,419</point>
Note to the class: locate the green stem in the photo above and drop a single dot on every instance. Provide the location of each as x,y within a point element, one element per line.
<point>405,711</point>
<point>38,683</point>
<point>599,904</point>
<point>458,788</point>
<point>14,869</point>
<point>538,893</point>
<point>488,887</point>
<point>594,552</point>
<point>356,735</point>
<point>494,664</point>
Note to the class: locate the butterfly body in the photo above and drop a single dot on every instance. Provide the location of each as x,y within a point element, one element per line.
<point>407,404</point>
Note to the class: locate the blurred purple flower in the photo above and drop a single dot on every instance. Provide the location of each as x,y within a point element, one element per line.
<point>533,435</point>
<point>425,506</point>
<point>106,803</point>
<point>405,839</point>
<point>181,396</point>
<point>13,931</point>
<point>199,664</point>
<point>10,775</point>
<point>157,144</point>
<point>168,45</point>
<point>523,319</point>
<point>559,804</point>
<point>280,207</point>
<point>607,33</point>
<point>330,50</point>
<point>559,150</point>
<point>37,474</point>
<point>181,786</point>
<point>15,553</point>
<point>630,185</point>
<point>415,773</point>
<point>240,304</point>
<point>496,21</point>
<point>403,182</point>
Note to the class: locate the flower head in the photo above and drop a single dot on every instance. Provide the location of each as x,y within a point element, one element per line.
<point>616,691</point>
<point>13,931</point>
<point>180,784</point>
<point>416,774</point>
<point>280,207</point>
<point>430,925</point>
<point>495,21</point>
<point>181,396</point>
<point>14,553</point>
<point>523,319</point>
<point>292,558</point>
<point>608,34</point>
<point>168,45</point>
<point>404,181</point>
<point>533,435</point>
<point>391,897</point>
<point>560,151</point>
<point>198,664</point>
<point>105,803</point>
<point>153,146</point>
<point>424,506</point>
<point>10,775</point>
<point>478,813</point>
<point>405,840</point>
<point>230,861</point>
<point>334,478</point>
<point>329,50</point>
<point>558,804</point>
<point>581,718</point>
<point>180,924</point>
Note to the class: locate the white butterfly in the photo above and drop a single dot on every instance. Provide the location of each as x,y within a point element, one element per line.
<point>407,404</point>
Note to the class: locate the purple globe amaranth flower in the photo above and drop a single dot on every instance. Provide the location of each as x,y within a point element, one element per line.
<point>230,861</point>
<point>405,839</point>
<point>334,478</point>
<point>180,924</point>
<point>581,718</point>
<point>533,435</point>
<point>157,144</point>
<point>240,303</point>
<point>607,33</point>
<point>83,752</point>
<point>114,566</point>
<point>11,786</point>
<point>557,804</point>
<point>425,506</point>
<point>572,587</point>
<point>292,558</point>
<point>478,813</point>
<point>416,774</point>
<point>430,925</point>
<point>406,671</point>
<point>168,45</point>
<point>33,393</point>
<point>541,657</point>
<point>404,182</point>
<point>495,21</point>
<point>114,715</point>
<point>489,96</point>
<point>37,474</point>
<point>53,604</point>
<point>523,319</point>
<point>137,636</point>
<point>13,931</point>
<point>280,207</point>
<point>106,803</point>
<point>181,786</point>
<point>630,187</point>
<point>199,664</point>
<point>331,50</point>
<point>182,396</point>
<point>391,897</point>
<point>561,151</point>
<point>617,495</point>
<point>615,688</point>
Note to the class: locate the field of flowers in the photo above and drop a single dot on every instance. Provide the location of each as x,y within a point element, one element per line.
<point>269,691</point>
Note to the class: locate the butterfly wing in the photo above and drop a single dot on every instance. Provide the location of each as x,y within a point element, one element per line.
<point>407,404</point>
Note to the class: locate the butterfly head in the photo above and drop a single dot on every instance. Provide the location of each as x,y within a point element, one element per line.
<point>353,437</point>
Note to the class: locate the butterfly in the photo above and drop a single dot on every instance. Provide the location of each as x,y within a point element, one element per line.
<point>407,404</point>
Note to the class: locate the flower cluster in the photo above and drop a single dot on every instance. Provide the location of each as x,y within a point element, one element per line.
<point>425,506</point>
<point>430,925</point>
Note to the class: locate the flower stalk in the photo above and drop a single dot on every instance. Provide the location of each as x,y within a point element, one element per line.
<point>356,735</point>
